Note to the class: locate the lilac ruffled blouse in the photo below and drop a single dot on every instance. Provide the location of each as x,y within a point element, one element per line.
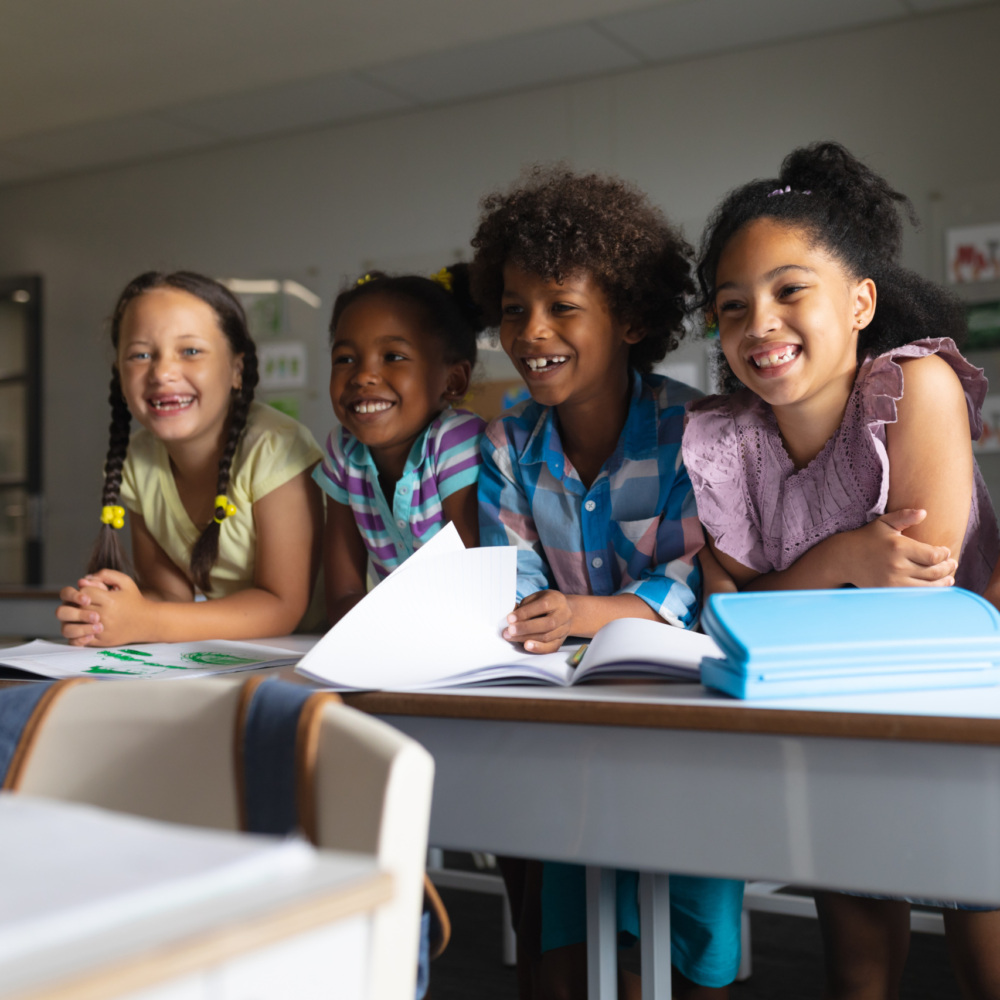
<point>765,513</point>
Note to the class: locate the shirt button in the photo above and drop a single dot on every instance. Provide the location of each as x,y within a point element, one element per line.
<point>403,490</point>
<point>401,523</point>
<point>597,562</point>
<point>589,505</point>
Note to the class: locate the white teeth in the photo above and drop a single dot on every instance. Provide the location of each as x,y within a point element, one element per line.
<point>171,404</point>
<point>536,364</point>
<point>778,357</point>
<point>372,407</point>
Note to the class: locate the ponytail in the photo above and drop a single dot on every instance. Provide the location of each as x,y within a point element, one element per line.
<point>854,214</point>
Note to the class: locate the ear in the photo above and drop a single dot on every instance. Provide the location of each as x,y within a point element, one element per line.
<point>238,373</point>
<point>632,335</point>
<point>865,296</point>
<point>457,383</point>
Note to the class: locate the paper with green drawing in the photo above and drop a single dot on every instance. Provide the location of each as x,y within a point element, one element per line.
<point>162,659</point>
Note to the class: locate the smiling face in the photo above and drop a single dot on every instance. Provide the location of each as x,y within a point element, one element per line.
<point>565,343</point>
<point>177,368</point>
<point>389,378</point>
<point>789,316</point>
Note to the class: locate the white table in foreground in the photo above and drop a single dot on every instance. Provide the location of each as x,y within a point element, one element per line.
<point>230,929</point>
<point>897,793</point>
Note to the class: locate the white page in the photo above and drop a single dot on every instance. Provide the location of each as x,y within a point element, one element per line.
<point>637,641</point>
<point>159,659</point>
<point>440,618</point>
<point>69,870</point>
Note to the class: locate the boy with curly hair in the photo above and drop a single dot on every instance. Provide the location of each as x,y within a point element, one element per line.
<point>587,282</point>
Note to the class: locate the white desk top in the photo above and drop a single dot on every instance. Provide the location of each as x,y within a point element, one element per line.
<point>88,890</point>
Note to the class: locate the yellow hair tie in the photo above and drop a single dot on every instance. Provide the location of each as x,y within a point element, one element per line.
<point>442,278</point>
<point>363,280</point>
<point>222,504</point>
<point>115,516</point>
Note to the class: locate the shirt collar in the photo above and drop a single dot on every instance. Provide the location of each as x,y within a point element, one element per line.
<point>360,456</point>
<point>639,434</point>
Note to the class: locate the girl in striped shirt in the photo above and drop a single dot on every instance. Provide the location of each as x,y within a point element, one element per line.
<point>403,463</point>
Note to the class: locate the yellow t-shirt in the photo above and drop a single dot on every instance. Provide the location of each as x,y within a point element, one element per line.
<point>274,449</point>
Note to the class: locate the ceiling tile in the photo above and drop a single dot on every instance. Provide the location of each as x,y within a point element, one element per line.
<point>98,143</point>
<point>511,63</point>
<point>697,27</point>
<point>928,5</point>
<point>290,106</point>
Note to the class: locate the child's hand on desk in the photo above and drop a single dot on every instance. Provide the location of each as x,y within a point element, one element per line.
<point>541,621</point>
<point>102,610</point>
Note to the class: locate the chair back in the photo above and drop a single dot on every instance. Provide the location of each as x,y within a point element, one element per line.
<point>176,750</point>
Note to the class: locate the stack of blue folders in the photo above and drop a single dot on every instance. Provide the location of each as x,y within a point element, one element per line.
<point>813,642</point>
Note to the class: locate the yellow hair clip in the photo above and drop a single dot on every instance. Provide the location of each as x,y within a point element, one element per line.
<point>115,516</point>
<point>222,504</point>
<point>363,280</point>
<point>442,278</point>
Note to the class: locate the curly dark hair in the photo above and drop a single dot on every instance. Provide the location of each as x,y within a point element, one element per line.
<point>843,206</point>
<point>443,306</point>
<point>556,223</point>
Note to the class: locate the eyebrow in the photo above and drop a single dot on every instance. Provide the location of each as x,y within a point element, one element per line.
<point>771,275</point>
<point>393,339</point>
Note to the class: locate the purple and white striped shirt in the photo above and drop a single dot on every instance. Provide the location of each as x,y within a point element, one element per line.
<point>444,459</point>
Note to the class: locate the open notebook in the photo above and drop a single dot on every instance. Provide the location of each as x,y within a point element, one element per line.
<point>437,622</point>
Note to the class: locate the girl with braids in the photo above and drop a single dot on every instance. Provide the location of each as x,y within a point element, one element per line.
<point>217,486</point>
<point>840,454</point>
<point>402,463</point>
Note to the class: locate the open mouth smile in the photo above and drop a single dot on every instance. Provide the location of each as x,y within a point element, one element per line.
<point>546,363</point>
<point>170,404</point>
<point>775,357</point>
<point>366,406</point>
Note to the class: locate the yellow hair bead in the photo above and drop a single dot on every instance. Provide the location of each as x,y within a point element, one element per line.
<point>223,504</point>
<point>363,280</point>
<point>442,278</point>
<point>115,516</point>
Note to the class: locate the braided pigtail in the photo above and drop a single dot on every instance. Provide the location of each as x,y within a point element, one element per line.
<point>206,550</point>
<point>108,552</point>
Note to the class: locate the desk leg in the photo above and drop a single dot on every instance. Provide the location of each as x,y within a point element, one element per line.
<point>654,935</point>
<point>602,944</point>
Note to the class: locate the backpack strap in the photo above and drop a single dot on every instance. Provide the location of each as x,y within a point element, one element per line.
<point>277,737</point>
<point>22,711</point>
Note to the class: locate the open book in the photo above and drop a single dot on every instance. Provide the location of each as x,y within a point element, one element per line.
<point>161,659</point>
<point>437,622</point>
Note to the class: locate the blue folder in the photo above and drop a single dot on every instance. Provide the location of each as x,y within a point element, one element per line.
<point>811,642</point>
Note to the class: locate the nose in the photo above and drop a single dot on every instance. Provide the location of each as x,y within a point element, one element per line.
<point>535,326</point>
<point>762,318</point>
<point>367,372</point>
<point>162,369</point>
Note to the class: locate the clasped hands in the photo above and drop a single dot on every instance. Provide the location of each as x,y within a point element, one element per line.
<point>103,609</point>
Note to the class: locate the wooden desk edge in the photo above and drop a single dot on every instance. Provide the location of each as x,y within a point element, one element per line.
<point>188,955</point>
<point>708,718</point>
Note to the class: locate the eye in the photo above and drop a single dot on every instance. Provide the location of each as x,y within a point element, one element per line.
<point>511,309</point>
<point>137,356</point>
<point>728,306</point>
<point>395,356</point>
<point>562,307</point>
<point>341,359</point>
<point>787,291</point>
<point>191,352</point>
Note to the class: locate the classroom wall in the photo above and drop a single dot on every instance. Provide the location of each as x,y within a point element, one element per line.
<point>915,99</point>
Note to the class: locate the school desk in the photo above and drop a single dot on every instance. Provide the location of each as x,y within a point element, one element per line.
<point>268,929</point>
<point>891,793</point>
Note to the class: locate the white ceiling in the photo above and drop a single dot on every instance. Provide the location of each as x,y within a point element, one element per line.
<point>88,83</point>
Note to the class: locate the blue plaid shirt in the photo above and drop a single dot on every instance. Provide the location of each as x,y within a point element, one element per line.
<point>635,531</point>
